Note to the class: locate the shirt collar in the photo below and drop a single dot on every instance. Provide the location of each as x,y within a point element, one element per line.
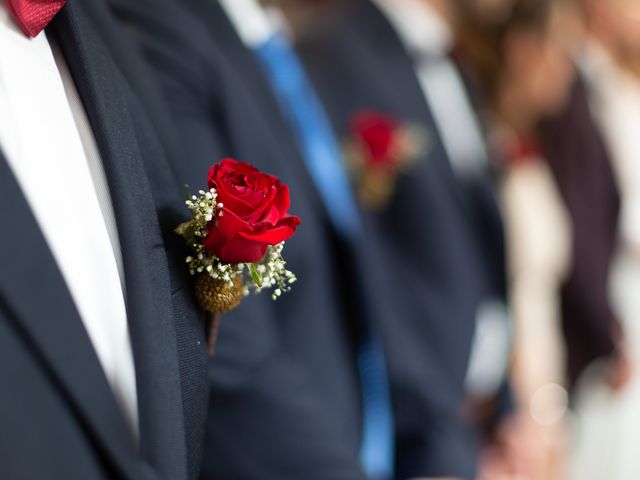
<point>253,23</point>
<point>419,26</point>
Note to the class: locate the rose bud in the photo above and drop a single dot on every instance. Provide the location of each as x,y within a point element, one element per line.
<point>253,215</point>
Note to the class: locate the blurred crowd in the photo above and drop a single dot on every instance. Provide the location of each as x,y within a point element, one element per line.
<point>559,79</point>
<point>467,173</point>
<point>559,84</point>
<point>548,92</point>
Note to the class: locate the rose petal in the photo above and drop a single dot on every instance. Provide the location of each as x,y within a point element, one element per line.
<point>282,200</point>
<point>268,218</point>
<point>237,196</point>
<point>243,188</point>
<point>229,164</point>
<point>242,250</point>
<point>261,181</point>
<point>284,230</point>
<point>222,230</point>
<point>260,213</point>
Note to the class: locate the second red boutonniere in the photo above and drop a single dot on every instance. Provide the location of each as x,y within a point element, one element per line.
<point>379,149</point>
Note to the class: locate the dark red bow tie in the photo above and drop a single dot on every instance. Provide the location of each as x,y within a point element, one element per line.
<point>34,15</point>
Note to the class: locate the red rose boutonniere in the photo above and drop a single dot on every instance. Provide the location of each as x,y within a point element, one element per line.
<point>236,233</point>
<point>379,149</point>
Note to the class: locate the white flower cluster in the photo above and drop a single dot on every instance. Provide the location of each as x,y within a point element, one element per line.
<point>270,272</point>
<point>203,209</point>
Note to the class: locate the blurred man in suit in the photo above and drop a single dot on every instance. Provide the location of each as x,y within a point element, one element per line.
<point>441,230</point>
<point>102,350</point>
<point>298,387</point>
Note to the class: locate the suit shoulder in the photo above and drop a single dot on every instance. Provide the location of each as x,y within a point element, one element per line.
<point>172,36</point>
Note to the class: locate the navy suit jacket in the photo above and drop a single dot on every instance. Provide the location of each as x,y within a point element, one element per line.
<point>59,417</point>
<point>442,236</point>
<point>285,398</point>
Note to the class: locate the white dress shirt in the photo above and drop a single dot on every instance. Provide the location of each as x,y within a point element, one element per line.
<point>254,23</point>
<point>429,40</point>
<point>47,140</point>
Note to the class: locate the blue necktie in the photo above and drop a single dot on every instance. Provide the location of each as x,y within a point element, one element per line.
<point>322,155</point>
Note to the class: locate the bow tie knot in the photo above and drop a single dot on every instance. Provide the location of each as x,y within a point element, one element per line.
<point>34,15</point>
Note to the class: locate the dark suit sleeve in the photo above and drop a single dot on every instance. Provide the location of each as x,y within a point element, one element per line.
<point>591,330</point>
<point>266,419</point>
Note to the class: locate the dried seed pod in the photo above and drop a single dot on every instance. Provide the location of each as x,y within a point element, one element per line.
<point>219,296</point>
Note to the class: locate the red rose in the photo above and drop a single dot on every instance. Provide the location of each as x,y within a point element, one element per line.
<point>378,135</point>
<point>254,213</point>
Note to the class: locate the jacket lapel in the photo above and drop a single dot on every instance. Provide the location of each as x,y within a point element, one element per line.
<point>35,292</point>
<point>115,116</point>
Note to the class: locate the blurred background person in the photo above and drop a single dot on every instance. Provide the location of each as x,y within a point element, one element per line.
<point>610,65</point>
<point>440,227</point>
<point>514,50</point>
<point>521,55</point>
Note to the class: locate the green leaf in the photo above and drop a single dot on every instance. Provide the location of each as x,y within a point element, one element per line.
<point>186,192</point>
<point>180,229</point>
<point>255,275</point>
<point>190,233</point>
